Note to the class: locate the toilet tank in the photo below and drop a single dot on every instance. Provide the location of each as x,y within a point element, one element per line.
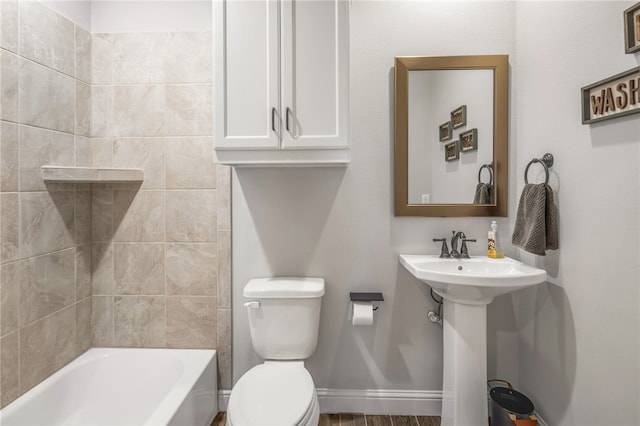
<point>284,316</point>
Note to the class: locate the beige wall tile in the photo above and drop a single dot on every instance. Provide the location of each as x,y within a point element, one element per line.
<point>47,37</point>
<point>102,152</point>
<point>8,86</point>
<point>102,321</point>
<point>223,196</point>
<point>138,58</point>
<point>191,269</point>
<point>46,285</point>
<point>191,322</point>
<point>83,55</point>
<point>83,326</point>
<point>46,222</point>
<point>82,152</point>
<point>101,58</point>
<point>9,297</point>
<point>83,109</point>
<point>191,215</point>
<point>58,285</point>
<point>224,269</point>
<point>223,347</point>
<point>139,216</point>
<point>145,153</point>
<point>102,269</point>
<point>101,111</point>
<point>189,58</point>
<point>139,269</point>
<point>9,367</point>
<point>189,110</point>
<point>9,25</point>
<point>138,110</point>
<point>46,97</point>
<point>40,147</point>
<point>189,163</point>
<point>82,222</point>
<point>9,227</point>
<point>101,215</point>
<point>9,150</point>
<point>46,346</point>
<point>139,321</point>
<point>122,120</point>
<point>83,272</point>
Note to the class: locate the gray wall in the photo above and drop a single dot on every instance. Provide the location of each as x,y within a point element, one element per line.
<point>339,224</point>
<point>570,344</point>
<point>579,334</point>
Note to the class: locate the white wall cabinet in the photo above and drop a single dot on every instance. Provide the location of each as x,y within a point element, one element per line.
<point>281,78</point>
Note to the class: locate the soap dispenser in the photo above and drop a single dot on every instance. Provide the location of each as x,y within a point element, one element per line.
<point>494,242</point>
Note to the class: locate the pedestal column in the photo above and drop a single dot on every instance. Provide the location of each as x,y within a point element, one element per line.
<point>464,399</point>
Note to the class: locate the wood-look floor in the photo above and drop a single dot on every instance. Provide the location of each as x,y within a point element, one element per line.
<point>345,419</point>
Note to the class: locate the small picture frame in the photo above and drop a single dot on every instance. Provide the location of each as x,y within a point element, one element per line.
<point>632,29</point>
<point>452,151</point>
<point>459,117</point>
<point>445,131</point>
<point>469,140</point>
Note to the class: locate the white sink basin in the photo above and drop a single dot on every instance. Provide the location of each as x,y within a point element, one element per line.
<point>474,281</point>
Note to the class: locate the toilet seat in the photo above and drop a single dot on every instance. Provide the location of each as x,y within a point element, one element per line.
<point>275,393</point>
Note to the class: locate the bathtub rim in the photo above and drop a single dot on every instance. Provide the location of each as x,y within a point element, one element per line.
<point>168,406</point>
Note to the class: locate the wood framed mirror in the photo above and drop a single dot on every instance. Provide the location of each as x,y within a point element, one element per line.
<point>451,135</point>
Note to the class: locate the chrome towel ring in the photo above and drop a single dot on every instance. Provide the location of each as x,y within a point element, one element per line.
<point>488,167</point>
<point>546,161</point>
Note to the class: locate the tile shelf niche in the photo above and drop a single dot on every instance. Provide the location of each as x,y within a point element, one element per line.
<point>90,174</point>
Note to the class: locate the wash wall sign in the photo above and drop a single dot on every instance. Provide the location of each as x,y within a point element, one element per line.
<point>613,97</point>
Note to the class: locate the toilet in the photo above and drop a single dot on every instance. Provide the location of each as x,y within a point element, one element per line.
<point>284,317</point>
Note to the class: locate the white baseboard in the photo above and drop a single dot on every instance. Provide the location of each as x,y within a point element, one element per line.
<point>369,401</point>
<point>223,399</point>
<point>373,401</point>
<point>380,401</point>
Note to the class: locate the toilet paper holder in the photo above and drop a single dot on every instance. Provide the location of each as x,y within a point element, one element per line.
<point>366,297</point>
<point>363,298</point>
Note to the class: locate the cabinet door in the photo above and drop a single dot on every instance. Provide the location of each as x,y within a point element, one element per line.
<point>315,71</point>
<point>247,67</point>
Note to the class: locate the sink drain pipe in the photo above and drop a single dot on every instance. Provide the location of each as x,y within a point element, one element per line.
<point>432,316</point>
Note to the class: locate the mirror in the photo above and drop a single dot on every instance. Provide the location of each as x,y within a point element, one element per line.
<point>451,135</point>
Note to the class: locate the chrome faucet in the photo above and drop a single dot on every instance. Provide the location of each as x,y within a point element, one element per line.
<point>464,253</point>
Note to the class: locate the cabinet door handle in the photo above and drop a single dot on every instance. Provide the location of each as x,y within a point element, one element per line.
<point>273,119</point>
<point>288,112</point>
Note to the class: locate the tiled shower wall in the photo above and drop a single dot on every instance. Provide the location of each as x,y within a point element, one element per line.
<point>161,252</point>
<point>141,266</point>
<point>45,250</point>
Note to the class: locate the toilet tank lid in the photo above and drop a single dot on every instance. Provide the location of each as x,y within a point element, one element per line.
<point>284,287</point>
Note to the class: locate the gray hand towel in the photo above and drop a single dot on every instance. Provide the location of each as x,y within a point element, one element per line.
<point>484,194</point>
<point>536,227</point>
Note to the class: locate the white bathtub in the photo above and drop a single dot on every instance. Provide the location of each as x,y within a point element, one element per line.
<point>113,386</point>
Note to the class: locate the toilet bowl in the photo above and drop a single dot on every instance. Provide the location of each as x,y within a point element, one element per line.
<point>284,317</point>
<point>275,393</point>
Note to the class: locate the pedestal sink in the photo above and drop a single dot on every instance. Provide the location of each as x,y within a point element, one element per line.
<point>468,286</point>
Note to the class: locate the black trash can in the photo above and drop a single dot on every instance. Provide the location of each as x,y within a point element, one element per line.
<point>505,401</point>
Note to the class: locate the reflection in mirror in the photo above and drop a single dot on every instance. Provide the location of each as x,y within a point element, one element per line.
<point>434,96</point>
<point>451,130</point>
